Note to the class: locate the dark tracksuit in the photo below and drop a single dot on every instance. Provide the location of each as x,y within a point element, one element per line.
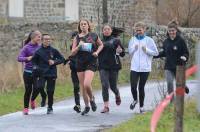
<point>48,72</point>
<point>74,78</point>
<point>109,65</point>
<point>172,50</point>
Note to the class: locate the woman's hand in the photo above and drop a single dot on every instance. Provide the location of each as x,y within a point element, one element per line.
<point>95,54</point>
<point>29,58</point>
<point>119,50</point>
<point>51,62</point>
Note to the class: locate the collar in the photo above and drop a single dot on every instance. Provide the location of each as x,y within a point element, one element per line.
<point>140,37</point>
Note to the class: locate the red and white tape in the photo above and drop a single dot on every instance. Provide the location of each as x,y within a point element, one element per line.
<point>162,105</point>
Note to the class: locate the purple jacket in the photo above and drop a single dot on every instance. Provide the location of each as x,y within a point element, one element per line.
<point>26,51</point>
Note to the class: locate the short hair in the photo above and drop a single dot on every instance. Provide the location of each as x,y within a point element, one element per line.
<point>140,24</point>
<point>45,34</point>
<point>173,24</point>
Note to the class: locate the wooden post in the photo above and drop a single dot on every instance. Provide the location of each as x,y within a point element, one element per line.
<point>179,98</point>
<point>198,85</point>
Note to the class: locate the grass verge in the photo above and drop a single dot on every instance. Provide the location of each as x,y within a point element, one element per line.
<point>141,122</point>
<point>12,101</point>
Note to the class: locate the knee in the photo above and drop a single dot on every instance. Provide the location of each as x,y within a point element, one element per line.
<point>87,86</point>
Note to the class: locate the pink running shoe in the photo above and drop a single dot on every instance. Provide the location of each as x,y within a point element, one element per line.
<point>33,104</point>
<point>25,111</point>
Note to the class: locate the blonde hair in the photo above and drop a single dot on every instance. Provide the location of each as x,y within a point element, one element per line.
<point>140,24</point>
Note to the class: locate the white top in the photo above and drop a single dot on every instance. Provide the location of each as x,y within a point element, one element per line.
<point>140,60</point>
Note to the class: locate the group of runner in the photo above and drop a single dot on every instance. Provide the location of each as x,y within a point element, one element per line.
<point>90,53</point>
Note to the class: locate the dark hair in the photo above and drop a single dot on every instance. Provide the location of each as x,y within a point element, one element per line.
<point>28,39</point>
<point>79,28</point>
<point>173,24</point>
<point>107,24</point>
<point>73,34</point>
<point>45,34</point>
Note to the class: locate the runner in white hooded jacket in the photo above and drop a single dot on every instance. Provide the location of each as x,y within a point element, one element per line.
<point>141,49</point>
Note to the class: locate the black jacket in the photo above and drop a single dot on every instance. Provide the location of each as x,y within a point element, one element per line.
<point>173,50</point>
<point>41,57</point>
<point>108,60</point>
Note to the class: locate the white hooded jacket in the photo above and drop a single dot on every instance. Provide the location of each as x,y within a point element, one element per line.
<point>140,60</point>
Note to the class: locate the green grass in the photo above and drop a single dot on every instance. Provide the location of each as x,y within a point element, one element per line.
<point>12,101</point>
<point>141,123</point>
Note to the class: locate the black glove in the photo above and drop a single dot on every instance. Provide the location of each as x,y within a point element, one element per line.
<point>66,61</point>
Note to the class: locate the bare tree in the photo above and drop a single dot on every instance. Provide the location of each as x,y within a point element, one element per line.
<point>105,11</point>
<point>183,10</point>
<point>193,7</point>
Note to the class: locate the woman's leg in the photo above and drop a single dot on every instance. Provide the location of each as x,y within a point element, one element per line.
<point>81,76</point>
<point>88,83</point>
<point>28,83</point>
<point>113,77</point>
<point>142,82</point>
<point>134,80</point>
<point>104,76</point>
<point>169,75</point>
<point>50,90</point>
<point>39,84</point>
<point>76,86</point>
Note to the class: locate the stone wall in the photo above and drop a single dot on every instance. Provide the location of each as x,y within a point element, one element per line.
<point>89,9</point>
<point>11,36</point>
<point>119,11</point>
<point>3,8</point>
<point>131,11</point>
<point>47,10</point>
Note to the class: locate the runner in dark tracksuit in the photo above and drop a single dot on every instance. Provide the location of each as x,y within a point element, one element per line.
<point>46,58</point>
<point>75,81</point>
<point>109,66</point>
<point>74,77</point>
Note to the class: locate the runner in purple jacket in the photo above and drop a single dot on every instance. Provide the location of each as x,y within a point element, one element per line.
<point>25,56</point>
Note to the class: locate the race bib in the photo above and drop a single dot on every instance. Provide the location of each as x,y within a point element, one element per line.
<point>86,47</point>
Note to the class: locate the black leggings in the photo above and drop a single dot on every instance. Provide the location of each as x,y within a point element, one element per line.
<point>75,82</point>
<point>51,81</point>
<point>109,79</point>
<point>30,85</point>
<point>135,76</point>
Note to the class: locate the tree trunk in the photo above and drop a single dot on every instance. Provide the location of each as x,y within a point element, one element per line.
<point>105,11</point>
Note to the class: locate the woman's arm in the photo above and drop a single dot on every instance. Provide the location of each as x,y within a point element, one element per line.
<point>59,58</point>
<point>22,57</point>
<point>100,47</point>
<point>152,48</point>
<point>132,48</point>
<point>75,47</point>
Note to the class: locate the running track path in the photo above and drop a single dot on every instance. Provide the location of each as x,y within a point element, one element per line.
<point>65,119</point>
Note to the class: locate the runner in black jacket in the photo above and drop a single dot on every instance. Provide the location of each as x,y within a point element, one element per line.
<point>176,53</point>
<point>45,59</point>
<point>109,66</point>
